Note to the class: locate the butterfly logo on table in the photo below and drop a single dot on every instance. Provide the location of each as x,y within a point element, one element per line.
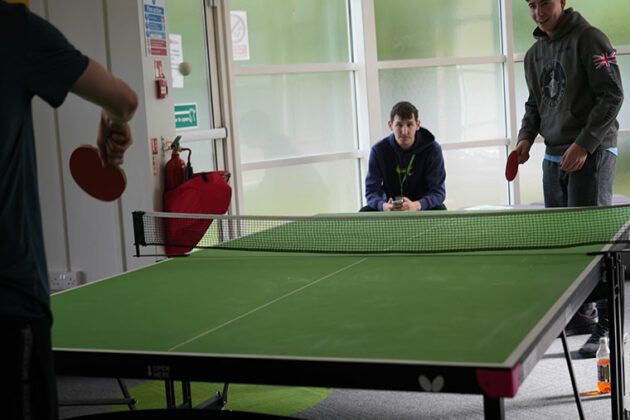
<point>429,385</point>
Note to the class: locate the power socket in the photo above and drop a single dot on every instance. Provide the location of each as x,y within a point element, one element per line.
<point>65,280</point>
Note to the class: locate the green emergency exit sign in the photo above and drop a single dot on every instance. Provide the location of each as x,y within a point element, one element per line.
<point>186,116</point>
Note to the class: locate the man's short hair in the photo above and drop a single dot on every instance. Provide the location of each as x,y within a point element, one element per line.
<point>404,110</point>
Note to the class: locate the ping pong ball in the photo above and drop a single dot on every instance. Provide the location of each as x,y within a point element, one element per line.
<point>184,68</point>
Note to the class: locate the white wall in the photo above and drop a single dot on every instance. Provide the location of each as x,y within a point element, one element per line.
<point>81,233</point>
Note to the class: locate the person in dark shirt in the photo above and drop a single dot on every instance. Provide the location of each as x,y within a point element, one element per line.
<point>38,60</point>
<point>575,94</point>
<point>406,169</point>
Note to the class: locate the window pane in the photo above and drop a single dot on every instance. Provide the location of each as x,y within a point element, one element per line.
<point>521,92</point>
<point>475,177</point>
<point>202,156</point>
<point>324,187</point>
<point>530,175</point>
<point>292,115</point>
<point>622,176</point>
<point>624,114</point>
<point>612,20</point>
<point>456,103</point>
<point>295,31</point>
<point>408,29</point>
<point>185,20</point>
<point>523,26</point>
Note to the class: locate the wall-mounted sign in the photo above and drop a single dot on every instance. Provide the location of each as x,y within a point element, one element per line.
<point>154,12</point>
<point>240,37</point>
<point>186,116</point>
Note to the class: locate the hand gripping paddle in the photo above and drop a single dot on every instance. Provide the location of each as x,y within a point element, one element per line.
<point>103,182</point>
<point>512,166</point>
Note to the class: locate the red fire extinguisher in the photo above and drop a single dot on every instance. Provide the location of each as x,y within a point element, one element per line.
<point>175,169</point>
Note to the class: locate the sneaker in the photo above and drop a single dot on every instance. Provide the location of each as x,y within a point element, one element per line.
<point>582,323</point>
<point>589,349</point>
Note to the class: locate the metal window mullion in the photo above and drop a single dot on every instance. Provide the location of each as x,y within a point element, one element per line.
<point>473,144</point>
<point>438,62</point>
<point>210,24</point>
<point>301,160</point>
<point>294,68</point>
<point>219,13</point>
<point>371,73</point>
<point>361,86</point>
<point>510,89</point>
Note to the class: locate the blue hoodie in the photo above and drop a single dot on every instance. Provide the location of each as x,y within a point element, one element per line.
<point>425,180</point>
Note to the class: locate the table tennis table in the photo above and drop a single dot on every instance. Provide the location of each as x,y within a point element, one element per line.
<point>470,322</point>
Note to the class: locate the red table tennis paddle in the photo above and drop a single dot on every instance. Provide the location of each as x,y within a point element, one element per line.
<point>512,166</point>
<point>103,182</point>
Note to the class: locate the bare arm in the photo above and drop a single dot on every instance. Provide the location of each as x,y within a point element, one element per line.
<point>119,103</point>
<point>573,159</point>
<point>102,88</point>
<point>522,147</point>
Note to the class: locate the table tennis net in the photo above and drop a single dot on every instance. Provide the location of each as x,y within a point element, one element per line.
<point>375,233</point>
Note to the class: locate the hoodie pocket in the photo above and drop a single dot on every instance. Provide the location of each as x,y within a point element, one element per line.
<point>561,128</point>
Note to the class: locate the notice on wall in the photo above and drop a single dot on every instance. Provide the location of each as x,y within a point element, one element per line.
<point>240,37</point>
<point>177,56</point>
<point>154,12</point>
<point>155,158</point>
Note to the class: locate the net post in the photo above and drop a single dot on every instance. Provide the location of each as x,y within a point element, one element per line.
<point>138,230</point>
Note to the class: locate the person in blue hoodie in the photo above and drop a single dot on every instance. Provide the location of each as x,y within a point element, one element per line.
<point>406,169</point>
<point>575,94</point>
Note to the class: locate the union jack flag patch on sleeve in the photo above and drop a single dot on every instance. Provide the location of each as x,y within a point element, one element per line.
<point>605,60</point>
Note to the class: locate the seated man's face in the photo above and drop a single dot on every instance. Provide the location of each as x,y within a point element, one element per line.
<point>404,131</point>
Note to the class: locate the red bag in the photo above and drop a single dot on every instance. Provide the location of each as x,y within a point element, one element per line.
<point>205,193</point>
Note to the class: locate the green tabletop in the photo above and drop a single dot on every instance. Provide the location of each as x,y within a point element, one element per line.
<point>458,308</point>
<point>461,302</point>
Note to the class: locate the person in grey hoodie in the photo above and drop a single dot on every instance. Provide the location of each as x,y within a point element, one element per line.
<point>575,94</point>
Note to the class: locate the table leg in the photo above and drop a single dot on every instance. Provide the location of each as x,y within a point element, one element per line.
<point>186,395</point>
<point>170,394</point>
<point>123,387</point>
<point>567,356</point>
<point>614,276</point>
<point>493,408</point>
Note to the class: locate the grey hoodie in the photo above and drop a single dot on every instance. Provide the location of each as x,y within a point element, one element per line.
<point>575,90</point>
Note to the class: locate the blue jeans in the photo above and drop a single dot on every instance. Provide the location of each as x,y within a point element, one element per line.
<point>590,186</point>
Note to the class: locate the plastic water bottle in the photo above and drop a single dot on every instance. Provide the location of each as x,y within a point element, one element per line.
<point>603,366</point>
